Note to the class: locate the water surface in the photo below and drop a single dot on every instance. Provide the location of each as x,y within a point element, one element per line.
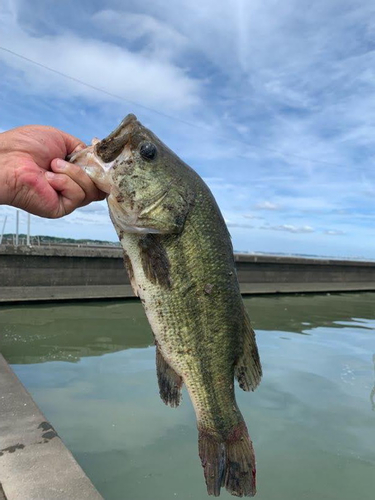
<point>91,369</point>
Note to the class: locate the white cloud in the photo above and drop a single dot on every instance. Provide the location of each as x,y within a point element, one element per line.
<point>160,39</point>
<point>96,207</point>
<point>334,232</point>
<point>267,205</point>
<point>239,224</point>
<point>290,228</point>
<point>251,216</point>
<point>94,214</point>
<point>80,216</point>
<point>303,200</point>
<point>135,76</point>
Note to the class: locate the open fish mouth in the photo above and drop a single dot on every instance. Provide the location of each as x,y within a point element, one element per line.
<point>94,166</point>
<point>98,159</point>
<point>109,148</point>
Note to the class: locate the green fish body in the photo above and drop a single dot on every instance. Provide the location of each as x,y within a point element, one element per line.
<point>179,257</point>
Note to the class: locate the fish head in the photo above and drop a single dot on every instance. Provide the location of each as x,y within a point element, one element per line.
<point>146,185</point>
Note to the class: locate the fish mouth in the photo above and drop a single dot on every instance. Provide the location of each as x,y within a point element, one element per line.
<point>95,167</point>
<point>98,159</point>
<point>109,148</point>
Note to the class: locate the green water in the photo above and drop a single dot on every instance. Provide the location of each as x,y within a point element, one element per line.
<point>91,369</point>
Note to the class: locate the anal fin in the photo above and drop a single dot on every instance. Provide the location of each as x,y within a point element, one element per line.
<point>248,369</point>
<point>170,382</point>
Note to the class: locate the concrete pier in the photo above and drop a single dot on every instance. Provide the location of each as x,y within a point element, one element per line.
<point>34,462</point>
<point>70,273</point>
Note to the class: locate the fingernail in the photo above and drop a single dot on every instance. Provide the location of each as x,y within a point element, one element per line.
<point>61,164</point>
<point>50,175</point>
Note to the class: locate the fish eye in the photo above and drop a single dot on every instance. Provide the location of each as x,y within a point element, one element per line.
<point>148,150</point>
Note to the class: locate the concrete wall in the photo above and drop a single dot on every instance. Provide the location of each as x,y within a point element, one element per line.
<point>52,273</point>
<point>61,266</point>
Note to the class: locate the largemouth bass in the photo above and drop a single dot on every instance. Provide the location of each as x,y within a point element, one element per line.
<point>179,257</point>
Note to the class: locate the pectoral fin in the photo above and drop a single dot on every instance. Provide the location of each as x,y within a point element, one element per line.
<point>248,369</point>
<point>170,382</point>
<point>155,261</point>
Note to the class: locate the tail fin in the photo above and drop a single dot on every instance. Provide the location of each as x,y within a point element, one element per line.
<point>229,463</point>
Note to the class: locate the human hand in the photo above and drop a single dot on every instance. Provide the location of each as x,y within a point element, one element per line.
<point>35,177</point>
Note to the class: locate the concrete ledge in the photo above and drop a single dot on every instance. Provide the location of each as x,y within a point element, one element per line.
<point>12,294</point>
<point>63,251</point>
<point>321,287</point>
<point>42,293</point>
<point>291,259</point>
<point>34,463</point>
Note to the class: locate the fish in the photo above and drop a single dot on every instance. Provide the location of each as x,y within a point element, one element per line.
<point>179,257</point>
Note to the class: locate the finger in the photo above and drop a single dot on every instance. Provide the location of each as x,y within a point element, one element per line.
<point>79,176</point>
<point>71,195</point>
<point>72,143</point>
<point>79,148</point>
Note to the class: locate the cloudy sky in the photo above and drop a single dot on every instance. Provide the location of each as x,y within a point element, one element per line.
<point>271,102</point>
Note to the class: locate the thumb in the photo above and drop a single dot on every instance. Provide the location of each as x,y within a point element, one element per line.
<point>72,144</point>
<point>77,149</point>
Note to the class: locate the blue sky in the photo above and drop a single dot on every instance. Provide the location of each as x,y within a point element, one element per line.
<point>272,103</point>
